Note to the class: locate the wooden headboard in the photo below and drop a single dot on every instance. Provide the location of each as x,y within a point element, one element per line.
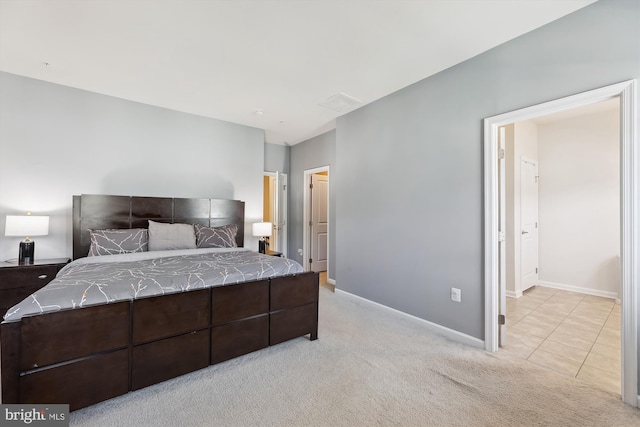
<point>100,212</point>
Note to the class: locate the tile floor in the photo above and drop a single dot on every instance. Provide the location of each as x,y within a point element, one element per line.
<point>571,333</point>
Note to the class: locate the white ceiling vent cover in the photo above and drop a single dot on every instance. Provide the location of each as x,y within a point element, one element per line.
<point>340,103</point>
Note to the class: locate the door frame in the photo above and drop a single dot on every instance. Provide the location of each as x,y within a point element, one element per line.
<point>306,217</point>
<point>284,230</point>
<point>629,211</point>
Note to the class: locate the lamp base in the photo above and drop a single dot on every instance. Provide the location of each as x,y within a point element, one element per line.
<point>26,252</point>
<point>262,246</point>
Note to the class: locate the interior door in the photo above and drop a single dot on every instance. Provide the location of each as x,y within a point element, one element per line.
<point>528,224</point>
<point>319,221</point>
<point>280,218</point>
<point>502,243</point>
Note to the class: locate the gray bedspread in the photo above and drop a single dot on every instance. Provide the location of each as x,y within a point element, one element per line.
<point>106,279</point>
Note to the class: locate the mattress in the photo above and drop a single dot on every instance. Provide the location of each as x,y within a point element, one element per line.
<point>106,279</point>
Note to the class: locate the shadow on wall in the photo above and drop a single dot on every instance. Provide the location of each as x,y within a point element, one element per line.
<point>145,180</point>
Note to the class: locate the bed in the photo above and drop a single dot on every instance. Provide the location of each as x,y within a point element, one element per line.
<point>105,342</point>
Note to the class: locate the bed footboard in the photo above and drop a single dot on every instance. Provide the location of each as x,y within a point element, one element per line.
<point>82,357</point>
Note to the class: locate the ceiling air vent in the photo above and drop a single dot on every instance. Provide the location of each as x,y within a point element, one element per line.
<point>340,103</point>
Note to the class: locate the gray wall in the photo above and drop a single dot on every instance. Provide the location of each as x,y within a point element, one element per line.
<point>56,141</point>
<point>276,158</point>
<point>409,186</point>
<point>313,153</point>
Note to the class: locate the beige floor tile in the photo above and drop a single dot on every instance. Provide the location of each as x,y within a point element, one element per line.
<point>579,324</point>
<point>589,320</point>
<point>546,316</point>
<point>593,299</point>
<point>612,324</point>
<point>557,363</point>
<point>609,364</point>
<point>606,351</point>
<point>531,329</point>
<point>523,338</point>
<point>608,339</point>
<point>592,311</point>
<point>559,349</point>
<point>543,290</point>
<point>604,380</point>
<point>571,340</point>
<point>589,335</point>
<point>520,349</point>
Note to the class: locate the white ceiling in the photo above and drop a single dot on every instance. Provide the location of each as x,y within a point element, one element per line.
<point>227,59</point>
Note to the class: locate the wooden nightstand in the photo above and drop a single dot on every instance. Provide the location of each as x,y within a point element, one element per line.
<point>273,253</point>
<point>18,281</point>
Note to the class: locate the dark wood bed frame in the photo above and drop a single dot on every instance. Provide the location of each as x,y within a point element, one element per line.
<point>84,356</point>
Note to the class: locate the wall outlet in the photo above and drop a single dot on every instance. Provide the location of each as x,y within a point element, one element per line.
<point>456,295</point>
<point>300,252</point>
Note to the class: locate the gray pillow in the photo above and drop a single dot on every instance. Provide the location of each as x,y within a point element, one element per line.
<point>118,241</point>
<point>171,236</point>
<point>216,237</point>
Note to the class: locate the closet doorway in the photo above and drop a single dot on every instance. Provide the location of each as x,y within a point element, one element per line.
<point>562,193</point>
<point>495,239</point>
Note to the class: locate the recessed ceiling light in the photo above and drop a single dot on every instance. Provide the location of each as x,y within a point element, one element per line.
<point>259,112</point>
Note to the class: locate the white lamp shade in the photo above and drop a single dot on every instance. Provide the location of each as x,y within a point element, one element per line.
<point>261,229</point>
<point>26,225</point>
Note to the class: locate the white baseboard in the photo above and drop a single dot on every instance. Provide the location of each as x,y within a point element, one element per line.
<point>513,294</point>
<point>331,281</point>
<point>580,290</point>
<point>439,329</point>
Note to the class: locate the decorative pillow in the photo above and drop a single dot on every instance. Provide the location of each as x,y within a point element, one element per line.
<point>120,241</point>
<point>216,237</point>
<point>171,236</point>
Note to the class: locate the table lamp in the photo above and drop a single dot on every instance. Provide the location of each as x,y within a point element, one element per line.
<point>262,230</point>
<point>26,225</point>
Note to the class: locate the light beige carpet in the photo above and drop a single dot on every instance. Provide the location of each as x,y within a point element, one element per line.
<point>369,367</point>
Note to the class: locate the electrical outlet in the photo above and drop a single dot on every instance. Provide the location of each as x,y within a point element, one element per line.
<point>300,252</point>
<point>456,295</point>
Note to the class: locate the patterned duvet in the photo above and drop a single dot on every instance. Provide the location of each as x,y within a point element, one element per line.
<point>106,279</point>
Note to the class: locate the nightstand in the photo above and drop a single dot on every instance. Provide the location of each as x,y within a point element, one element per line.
<point>18,281</point>
<point>273,253</point>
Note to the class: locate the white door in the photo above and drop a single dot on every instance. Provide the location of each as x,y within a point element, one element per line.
<point>280,217</point>
<point>502,227</point>
<point>275,194</point>
<point>319,219</point>
<point>528,224</point>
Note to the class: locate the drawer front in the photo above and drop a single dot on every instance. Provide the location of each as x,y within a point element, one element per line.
<point>169,315</point>
<point>35,276</point>
<point>169,358</point>
<point>293,291</point>
<point>237,338</point>
<point>234,302</point>
<point>51,338</point>
<point>293,323</point>
<point>84,382</point>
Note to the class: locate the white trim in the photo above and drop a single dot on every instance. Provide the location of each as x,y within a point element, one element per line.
<point>513,294</point>
<point>434,327</point>
<point>306,216</point>
<point>578,289</point>
<point>630,217</point>
<point>331,281</point>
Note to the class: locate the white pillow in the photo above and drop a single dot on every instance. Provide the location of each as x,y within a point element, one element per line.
<point>171,236</point>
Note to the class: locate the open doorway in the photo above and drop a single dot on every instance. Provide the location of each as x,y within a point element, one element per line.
<point>562,217</point>
<point>494,235</point>
<point>275,210</point>
<point>316,219</point>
